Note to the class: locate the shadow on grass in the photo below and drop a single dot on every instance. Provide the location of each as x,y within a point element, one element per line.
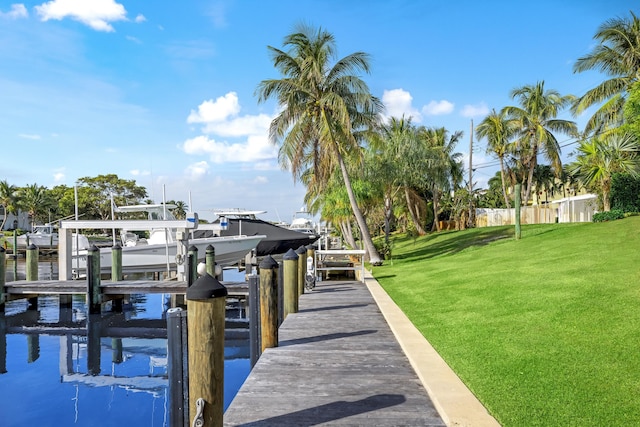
<point>451,242</point>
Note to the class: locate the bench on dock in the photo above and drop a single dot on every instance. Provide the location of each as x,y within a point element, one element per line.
<point>343,260</point>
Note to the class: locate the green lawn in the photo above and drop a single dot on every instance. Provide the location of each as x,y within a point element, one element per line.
<point>545,331</point>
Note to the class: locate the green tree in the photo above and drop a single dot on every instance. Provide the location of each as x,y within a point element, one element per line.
<point>8,200</point>
<point>98,191</point>
<point>543,180</point>
<point>324,106</point>
<point>599,158</point>
<point>33,198</point>
<point>536,121</point>
<point>617,55</point>
<point>180,212</point>
<point>498,131</point>
<point>444,166</point>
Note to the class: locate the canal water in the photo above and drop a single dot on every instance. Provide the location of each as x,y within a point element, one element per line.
<point>49,375</point>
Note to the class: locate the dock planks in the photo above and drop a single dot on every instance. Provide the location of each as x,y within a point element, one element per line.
<point>338,363</point>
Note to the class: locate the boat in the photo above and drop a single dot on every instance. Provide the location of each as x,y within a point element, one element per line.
<point>45,236</point>
<point>303,222</point>
<point>278,239</point>
<point>158,251</point>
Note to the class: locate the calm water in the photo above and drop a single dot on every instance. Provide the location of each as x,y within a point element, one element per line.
<point>50,377</point>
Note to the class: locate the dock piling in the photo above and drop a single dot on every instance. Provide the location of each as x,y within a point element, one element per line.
<point>290,274</point>
<point>3,277</point>
<point>302,268</point>
<point>93,280</point>
<point>206,300</point>
<point>178,367</point>
<point>268,303</point>
<point>254,318</point>
<point>32,271</point>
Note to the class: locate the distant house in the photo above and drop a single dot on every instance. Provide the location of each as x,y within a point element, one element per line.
<point>21,220</point>
<point>578,208</point>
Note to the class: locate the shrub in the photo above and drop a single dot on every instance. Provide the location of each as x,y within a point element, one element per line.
<point>608,216</point>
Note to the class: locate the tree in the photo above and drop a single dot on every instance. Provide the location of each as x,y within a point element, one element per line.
<point>543,180</point>
<point>33,198</point>
<point>8,200</point>
<point>324,107</point>
<point>498,130</point>
<point>599,158</point>
<point>536,122</point>
<point>387,157</point>
<point>180,212</point>
<point>445,169</point>
<point>99,190</point>
<point>618,56</point>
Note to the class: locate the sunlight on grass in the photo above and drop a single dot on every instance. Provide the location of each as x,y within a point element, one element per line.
<point>543,330</point>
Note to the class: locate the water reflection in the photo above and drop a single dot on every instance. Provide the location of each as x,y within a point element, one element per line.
<point>60,366</point>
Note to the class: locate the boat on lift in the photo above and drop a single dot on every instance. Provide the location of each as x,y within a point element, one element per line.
<point>45,236</point>
<point>158,251</point>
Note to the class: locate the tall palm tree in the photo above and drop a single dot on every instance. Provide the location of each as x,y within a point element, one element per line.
<point>445,171</point>
<point>498,130</point>
<point>618,56</point>
<point>536,121</point>
<point>323,106</point>
<point>8,200</point>
<point>599,158</point>
<point>543,180</point>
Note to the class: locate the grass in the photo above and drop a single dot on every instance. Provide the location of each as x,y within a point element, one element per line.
<point>544,330</point>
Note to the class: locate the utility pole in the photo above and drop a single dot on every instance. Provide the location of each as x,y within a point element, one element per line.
<point>470,221</point>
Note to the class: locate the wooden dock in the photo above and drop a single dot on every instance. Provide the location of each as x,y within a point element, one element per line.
<point>338,363</point>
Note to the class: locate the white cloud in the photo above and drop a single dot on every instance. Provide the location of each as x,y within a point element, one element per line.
<point>133,39</point>
<point>240,126</point>
<point>437,108</point>
<point>260,180</point>
<point>97,14</point>
<point>398,102</point>
<point>140,18</point>
<point>255,148</point>
<point>475,110</point>
<point>58,177</point>
<point>216,111</point>
<point>29,136</point>
<point>196,171</point>
<point>138,172</point>
<point>17,11</point>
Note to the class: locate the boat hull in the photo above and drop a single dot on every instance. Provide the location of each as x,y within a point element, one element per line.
<point>145,258</point>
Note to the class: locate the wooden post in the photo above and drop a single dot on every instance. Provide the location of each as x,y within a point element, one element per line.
<point>210,260</point>
<point>177,367</point>
<point>15,255</point>
<point>33,347</point>
<point>116,263</point>
<point>192,255</point>
<point>302,268</point>
<point>518,190</point>
<point>94,324</point>
<point>32,272</point>
<point>269,302</point>
<point>93,280</point>
<point>3,278</point>
<point>3,343</point>
<point>116,350</point>
<point>206,300</point>
<point>254,318</point>
<point>116,276</point>
<point>290,282</point>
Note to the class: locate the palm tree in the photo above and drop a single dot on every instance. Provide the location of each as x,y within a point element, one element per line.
<point>498,130</point>
<point>387,157</point>
<point>618,56</point>
<point>323,107</point>
<point>34,199</point>
<point>543,180</point>
<point>536,122</point>
<point>8,200</point>
<point>445,167</point>
<point>599,158</point>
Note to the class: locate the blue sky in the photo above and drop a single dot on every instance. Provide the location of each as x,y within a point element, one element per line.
<point>163,91</point>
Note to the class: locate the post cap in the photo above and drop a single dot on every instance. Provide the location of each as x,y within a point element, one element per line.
<point>291,255</point>
<point>209,249</point>
<point>301,250</point>
<point>206,287</point>
<point>268,263</point>
<point>32,247</point>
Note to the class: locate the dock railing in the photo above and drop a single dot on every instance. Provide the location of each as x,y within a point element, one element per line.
<point>340,260</point>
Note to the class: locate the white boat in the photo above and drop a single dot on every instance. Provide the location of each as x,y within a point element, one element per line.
<point>303,222</point>
<point>159,250</point>
<point>46,237</point>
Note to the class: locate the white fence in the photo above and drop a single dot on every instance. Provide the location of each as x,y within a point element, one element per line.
<point>571,209</point>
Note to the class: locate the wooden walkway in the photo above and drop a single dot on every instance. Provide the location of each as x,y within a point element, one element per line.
<point>338,363</point>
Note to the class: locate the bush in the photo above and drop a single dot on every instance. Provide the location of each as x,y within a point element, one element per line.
<point>613,214</point>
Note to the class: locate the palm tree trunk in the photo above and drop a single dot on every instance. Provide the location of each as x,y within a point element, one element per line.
<point>374,256</point>
<point>412,213</point>
<point>532,165</point>
<point>504,186</point>
<point>436,223</point>
<point>345,226</point>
